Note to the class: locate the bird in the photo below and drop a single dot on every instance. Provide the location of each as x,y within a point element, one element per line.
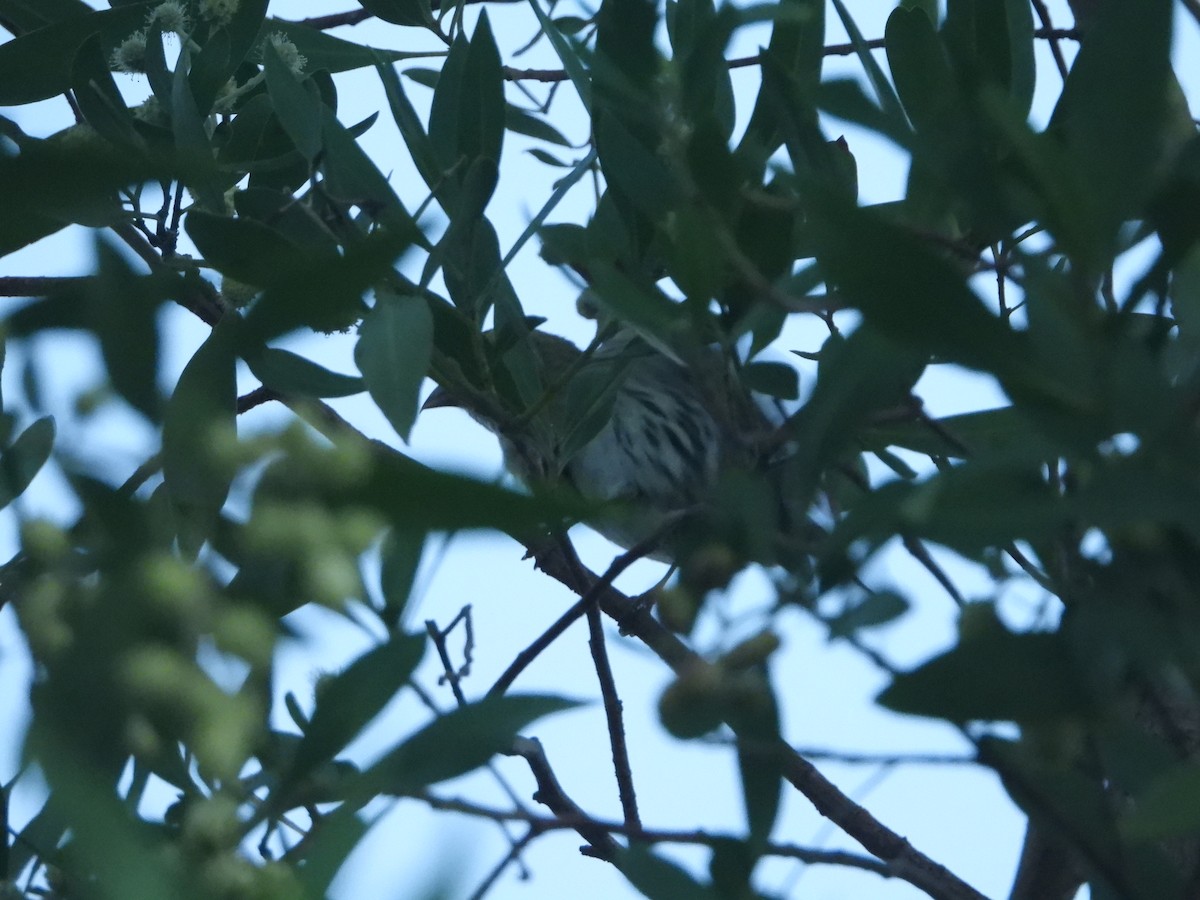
<point>630,424</point>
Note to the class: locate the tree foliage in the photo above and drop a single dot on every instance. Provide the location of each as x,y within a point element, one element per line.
<point>247,200</point>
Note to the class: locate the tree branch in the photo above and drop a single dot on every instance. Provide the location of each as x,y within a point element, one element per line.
<point>901,857</point>
<point>541,824</point>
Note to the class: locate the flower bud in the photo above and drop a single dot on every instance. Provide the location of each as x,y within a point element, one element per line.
<point>691,705</point>
<point>677,608</point>
<point>750,653</point>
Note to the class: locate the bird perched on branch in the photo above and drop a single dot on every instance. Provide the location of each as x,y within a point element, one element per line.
<point>627,423</point>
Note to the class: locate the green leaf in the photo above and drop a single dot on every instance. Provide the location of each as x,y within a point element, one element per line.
<point>562,186</point>
<point>420,148</point>
<point>846,99</point>
<point>796,49</point>
<point>340,833</point>
<point>348,701</point>
<point>124,307</point>
<point>569,53</point>
<point>324,51</point>
<point>625,42</point>
<point>395,345</point>
<point>245,249</point>
<point>28,15</point>
<point>1066,800</point>
<point>25,458</point>
<point>888,100</point>
<point>296,103</point>
<point>760,762</point>
<point>1002,430</point>
<point>773,379</point>
<point>352,177</point>
<point>400,12</point>
<point>657,878</point>
<point>911,292</point>
<point>201,415</point>
<point>325,291</point>
<point>1168,807</point>
<point>730,867</point>
<point>457,743</point>
<point>224,52</point>
<point>1113,113</point>
<point>98,97</point>
<point>635,170</point>
<point>876,608</point>
<point>857,375</point>
<point>400,559</point>
<point>466,120</point>
<point>992,675</point>
<point>921,68</point>
<point>37,65</point>
<point>157,72</point>
<point>699,36</point>
<point>289,373</point>
<point>522,122</point>
<point>1022,63</point>
<point>192,141</point>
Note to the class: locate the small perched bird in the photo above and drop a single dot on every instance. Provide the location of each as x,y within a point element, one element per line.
<point>628,423</point>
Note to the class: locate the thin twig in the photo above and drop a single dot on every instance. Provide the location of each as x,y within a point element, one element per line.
<point>588,598</point>
<point>918,551</point>
<point>256,397</point>
<point>614,716</point>
<point>902,859</point>
<point>513,855</point>
<point>451,675</point>
<point>541,824</point>
<point>551,795</point>
<point>1048,26</point>
<point>550,76</point>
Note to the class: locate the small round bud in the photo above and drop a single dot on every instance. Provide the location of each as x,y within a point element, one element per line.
<point>211,825</point>
<point>43,618</point>
<point>230,877</point>
<point>332,576</point>
<point>246,633</point>
<point>751,652</point>
<point>44,542</point>
<point>691,705</point>
<point>709,568</point>
<point>677,608</point>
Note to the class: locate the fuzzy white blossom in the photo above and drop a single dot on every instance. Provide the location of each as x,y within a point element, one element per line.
<point>130,55</point>
<point>288,52</point>
<point>170,16</point>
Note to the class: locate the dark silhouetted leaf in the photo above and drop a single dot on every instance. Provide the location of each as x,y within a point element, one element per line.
<point>992,675</point>
<point>200,416</point>
<point>458,742</point>
<point>296,103</point>
<point>25,458</point>
<point>394,348</point>
<point>289,373</point>
<point>37,65</point>
<point>348,701</point>
<point>657,878</point>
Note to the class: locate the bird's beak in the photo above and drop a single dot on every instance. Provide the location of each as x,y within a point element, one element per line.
<point>439,399</point>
